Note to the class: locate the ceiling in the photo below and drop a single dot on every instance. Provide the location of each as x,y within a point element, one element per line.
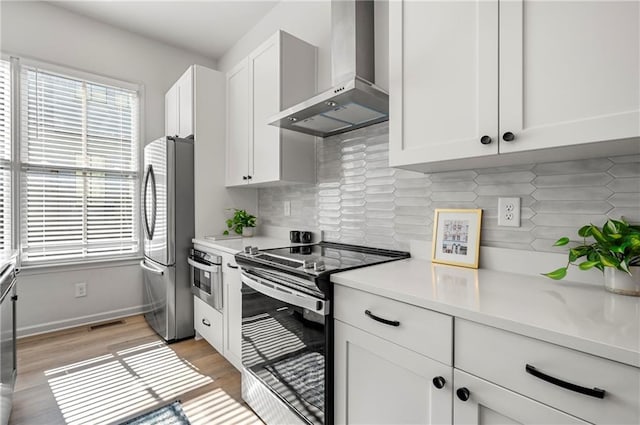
<point>208,27</point>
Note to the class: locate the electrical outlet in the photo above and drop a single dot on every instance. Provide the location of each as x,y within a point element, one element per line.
<point>509,212</point>
<point>81,289</point>
<point>287,208</point>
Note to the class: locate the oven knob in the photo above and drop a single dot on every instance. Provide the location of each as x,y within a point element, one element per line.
<point>253,250</point>
<point>308,264</point>
<point>319,266</point>
<point>247,249</point>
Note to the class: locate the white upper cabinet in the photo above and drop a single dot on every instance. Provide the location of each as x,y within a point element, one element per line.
<point>179,106</point>
<point>443,80</point>
<point>171,107</point>
<point>237,145</point>
<point>569,72</point>
<point>466,86</point>
<point>277,75</point>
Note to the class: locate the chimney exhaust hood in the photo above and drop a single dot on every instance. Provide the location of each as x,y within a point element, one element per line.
<point>353,101</point>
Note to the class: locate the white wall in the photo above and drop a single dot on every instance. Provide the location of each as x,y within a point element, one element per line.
<point>47,33</point>
<point>50,34</point>
<point>46,297</point>
<point>311,21</point>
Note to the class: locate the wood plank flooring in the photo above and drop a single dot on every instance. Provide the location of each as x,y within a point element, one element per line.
<point>112,373</point>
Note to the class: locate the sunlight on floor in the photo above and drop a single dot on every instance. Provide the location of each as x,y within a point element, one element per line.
<point>217,407</point>
<point>113,387</point>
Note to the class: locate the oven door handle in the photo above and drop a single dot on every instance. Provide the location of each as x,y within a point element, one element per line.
<point>286,295</point>
<point>212,269</point>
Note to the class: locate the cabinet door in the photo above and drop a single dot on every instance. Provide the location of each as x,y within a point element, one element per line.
<point>378,382</point>
<point>237,145</point>
<point>185,102</point>
<point>208,323</point>
<point>232,312</point>
<point>264,74</point>
<point>443,79</point>
<point>568,72</point>
<point>490,404</point>
<point>171,111</point>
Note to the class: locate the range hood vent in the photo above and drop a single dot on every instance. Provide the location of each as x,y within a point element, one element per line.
<point>353,101</point>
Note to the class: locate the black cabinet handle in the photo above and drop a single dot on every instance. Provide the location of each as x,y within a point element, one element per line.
<point>592,392</point>
<point>508,136</point>
<point>381,320</point>
<point>244,177</point>
<point>231,266</point>
<point>249,177</point>
<point>206,322</point>
<point>439,382</point>
<point>485,140</point>
<point>463,393</point>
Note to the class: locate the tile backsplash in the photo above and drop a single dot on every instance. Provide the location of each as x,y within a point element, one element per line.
<point>359,199</point>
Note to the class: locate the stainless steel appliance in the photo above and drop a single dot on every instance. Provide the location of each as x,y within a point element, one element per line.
<point>287,327</point>
<point>8,364</point>
<point>206,277</point>
<point>353,101</point>
<point>168,221</point>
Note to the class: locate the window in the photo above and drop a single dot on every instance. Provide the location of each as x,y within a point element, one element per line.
<point>79,171</point>
<point>5,155</point>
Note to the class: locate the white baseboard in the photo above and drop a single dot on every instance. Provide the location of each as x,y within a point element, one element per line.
<point>59,325</point>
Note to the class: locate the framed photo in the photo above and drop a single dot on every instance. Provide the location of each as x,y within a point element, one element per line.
<point>456,237</point>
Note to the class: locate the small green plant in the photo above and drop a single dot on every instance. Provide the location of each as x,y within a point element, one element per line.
<point>239,221</point>
<point>616,244</point>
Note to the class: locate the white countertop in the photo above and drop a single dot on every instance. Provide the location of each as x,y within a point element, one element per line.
<point>233,246</point>
<point>575,315</point>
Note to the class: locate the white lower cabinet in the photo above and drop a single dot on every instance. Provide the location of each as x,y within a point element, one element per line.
<point>480,402</point>
<point>393,366</point>
<point>208,323</point>
<point>379,382</point>
<point>232,286</point>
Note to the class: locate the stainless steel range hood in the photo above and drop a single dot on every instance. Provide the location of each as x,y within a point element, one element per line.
<point>353,101</point>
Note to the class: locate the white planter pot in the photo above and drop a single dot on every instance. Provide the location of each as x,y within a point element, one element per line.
<point>619,282</point>
<point>247,232</point>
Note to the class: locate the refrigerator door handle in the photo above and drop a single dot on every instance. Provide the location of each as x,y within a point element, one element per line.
<point>151,269</point>
<point>150,177</point>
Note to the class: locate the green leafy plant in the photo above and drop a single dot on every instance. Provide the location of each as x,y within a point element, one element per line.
<point>239,221</point>
<point>616,244</point>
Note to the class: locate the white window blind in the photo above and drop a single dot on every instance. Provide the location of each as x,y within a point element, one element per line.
<point>79,169</point>
<point>5,155</point>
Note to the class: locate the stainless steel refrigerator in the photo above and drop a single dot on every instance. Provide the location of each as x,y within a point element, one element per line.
<point>168,222</point>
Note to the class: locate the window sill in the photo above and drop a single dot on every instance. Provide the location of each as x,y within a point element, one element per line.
<point>43,268</point>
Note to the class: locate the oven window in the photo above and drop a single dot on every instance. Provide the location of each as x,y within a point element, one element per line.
<point>202,279</point>
<point>284,346</point>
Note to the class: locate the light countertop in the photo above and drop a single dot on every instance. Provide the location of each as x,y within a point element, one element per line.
<point>233,246</point>
<point>574,315</point>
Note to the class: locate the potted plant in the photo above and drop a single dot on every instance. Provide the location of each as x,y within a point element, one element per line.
<point>242,223</point>
<point>615,251</point>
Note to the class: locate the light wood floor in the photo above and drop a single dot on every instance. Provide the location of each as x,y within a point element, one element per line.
<point>106,375</point>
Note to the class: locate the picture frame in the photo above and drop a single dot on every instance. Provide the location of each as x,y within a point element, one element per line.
<point>456,237</point>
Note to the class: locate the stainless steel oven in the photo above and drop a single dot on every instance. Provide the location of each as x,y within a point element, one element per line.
<point>287,327</point>
<point>206,277</point>
<point>284,347</point>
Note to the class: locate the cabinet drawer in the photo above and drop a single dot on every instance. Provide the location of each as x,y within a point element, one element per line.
<point>208,323</point>
<point>502,357</point>
<point>424,331</point>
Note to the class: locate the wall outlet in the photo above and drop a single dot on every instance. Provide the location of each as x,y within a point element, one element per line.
<point>509,212</point>
<point>81,289</point>
<point>287,208</point>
